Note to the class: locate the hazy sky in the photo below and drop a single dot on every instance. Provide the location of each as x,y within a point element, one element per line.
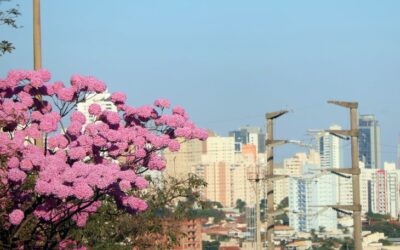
<point>229,62</point>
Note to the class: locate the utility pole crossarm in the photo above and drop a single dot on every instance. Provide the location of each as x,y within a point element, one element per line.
<point>344,170</point>
<point>353,132</point>
<point>276,177</point>
<point>273,143</point>
<point>352,105</point>
<point>273,115</point>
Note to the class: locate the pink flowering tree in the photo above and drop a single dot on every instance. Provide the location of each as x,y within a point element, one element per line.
<point>57,168</point>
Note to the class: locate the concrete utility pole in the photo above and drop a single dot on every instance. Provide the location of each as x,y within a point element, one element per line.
<point>37,50</point>
<point>354,171</point>
<point>258,212</point>
<point>257,176</point>
<point>37,43</point>
<point>270,143</point>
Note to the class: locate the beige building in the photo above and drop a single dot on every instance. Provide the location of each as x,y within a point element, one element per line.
<point>180,164</point>
<point>294,165</point>
<point>281,186</point>
<point>219,149</point>
<point>219,185</point>
<point>242,187</point>
<point>215,160</point>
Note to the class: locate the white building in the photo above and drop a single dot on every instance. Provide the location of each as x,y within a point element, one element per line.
<point>308,193</point>
<point>103,99</point>
<point>385,192</point>
<point>329,148</point>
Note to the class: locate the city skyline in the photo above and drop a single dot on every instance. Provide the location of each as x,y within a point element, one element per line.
<point>229,63</point>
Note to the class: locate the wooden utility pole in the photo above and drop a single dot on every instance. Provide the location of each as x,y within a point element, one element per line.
<point>37,43</point>
<point>354,171</point>
<point>270,143</point>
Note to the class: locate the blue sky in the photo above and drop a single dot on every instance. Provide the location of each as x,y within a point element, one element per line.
<point>229,62</point>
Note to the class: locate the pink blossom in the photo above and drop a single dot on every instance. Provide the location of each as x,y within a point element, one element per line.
<point>49,121</point>
<point>94,109</point>
<point>179,111</point>
<point>33,131</point>
<point>118,97</point>
<point>66,94</point>
<point>141,182</point>
<point>144,111</point>
<point>48,90</point>
<point>36,116</point>
<point>58,141</point>
<point>13,162</point>
<point>82,191</point>
<point>85,141</point>
<point>16,175</point>
<point>78,117</point>
<point>112,135</point>
<point>156,163</point>
<point>80,219</point>
<point>61,154</point>
<point>74,128</point>
<point>26,165</point>
<point>140,153</point>
<point>26,98</point>
<point>183,132</point>
<point>127,175</point>
<point>60,190</point>
<point>75,166</point>
<point>174,146</point>
<point>162,103</point>
<point>99,141</point>
<point>16,216</point>
<point>112,117</point>
<point>125,185</point>
<point>174,121</point>
<point>200,134</point>
<point>45,75</point>
<point>77,153</point>
<point>57,86</point>
<point>134,203</point>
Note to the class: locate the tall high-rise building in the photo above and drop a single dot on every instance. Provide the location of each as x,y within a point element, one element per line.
<point>398,154</point>
<point>307,195</point>
<point>329,148</point>
<point>346,189</point>
<point>219,149</point>
<point>225,171</point>
<point>369,141</point>
<point>180,164</point>
<point>249,135</point>
<point>385,192</point>
<point>292,167</point>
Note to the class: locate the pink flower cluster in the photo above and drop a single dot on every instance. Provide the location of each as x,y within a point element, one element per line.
<point>88,161</point>
<point>70,245</point>
<point>16,216</point>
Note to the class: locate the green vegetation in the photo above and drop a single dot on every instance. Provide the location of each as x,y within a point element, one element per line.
<point>282,219</point>
<point>241,205</point>
<point>8,17</point>
<point>170,200</point>
<point>380,223</point>
<point>211,245</point>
